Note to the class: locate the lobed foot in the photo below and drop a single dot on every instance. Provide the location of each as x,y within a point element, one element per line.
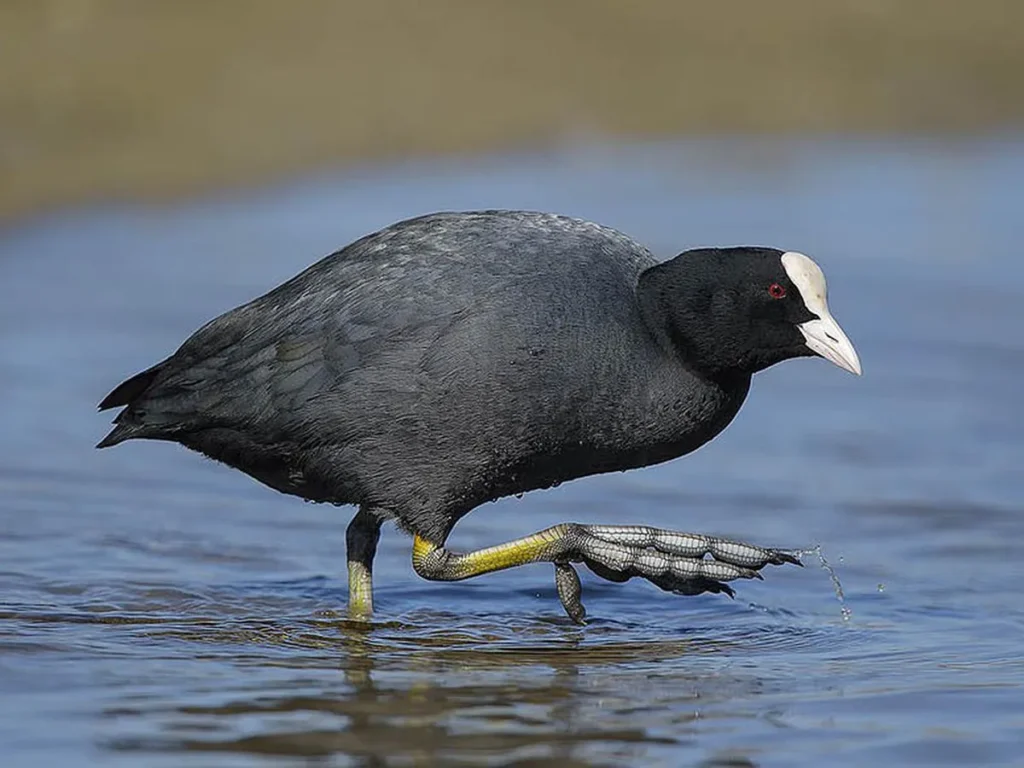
<point>674,561</point>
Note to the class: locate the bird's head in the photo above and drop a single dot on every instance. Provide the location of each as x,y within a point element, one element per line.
<point>743,309</point>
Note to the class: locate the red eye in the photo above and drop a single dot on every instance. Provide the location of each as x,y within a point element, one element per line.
<point>777,291</point>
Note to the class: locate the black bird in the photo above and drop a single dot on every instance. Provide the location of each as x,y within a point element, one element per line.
<point>457,358</point>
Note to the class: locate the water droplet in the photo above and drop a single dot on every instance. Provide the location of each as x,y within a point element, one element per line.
<point>844,609</point>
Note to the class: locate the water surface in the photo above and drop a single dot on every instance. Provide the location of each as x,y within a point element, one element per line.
<point>158,609</point>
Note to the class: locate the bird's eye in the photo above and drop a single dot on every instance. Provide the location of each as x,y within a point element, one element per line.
<point>777,291</point>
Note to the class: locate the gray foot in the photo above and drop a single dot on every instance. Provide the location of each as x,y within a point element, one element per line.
<point>676,562</point>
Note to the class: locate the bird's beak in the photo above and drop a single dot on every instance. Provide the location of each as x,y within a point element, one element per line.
<point>825,337</point>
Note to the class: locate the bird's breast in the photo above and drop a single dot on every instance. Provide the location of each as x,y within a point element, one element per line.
<point>637,432</point>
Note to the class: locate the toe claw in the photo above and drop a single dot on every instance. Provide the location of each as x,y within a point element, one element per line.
<point>782,556</point>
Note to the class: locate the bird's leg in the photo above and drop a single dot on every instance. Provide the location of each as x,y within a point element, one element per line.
<point>361,537</point>
<point>676,562</point>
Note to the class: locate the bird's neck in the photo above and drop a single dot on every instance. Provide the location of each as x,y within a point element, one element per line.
<point>677,310</point>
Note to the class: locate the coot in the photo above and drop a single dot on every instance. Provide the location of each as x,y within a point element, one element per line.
<point>457,358</point>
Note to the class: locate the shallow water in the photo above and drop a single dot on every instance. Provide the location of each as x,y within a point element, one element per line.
<point>158,609</point>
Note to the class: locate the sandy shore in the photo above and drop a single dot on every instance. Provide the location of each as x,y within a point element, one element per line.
<point>120,99</point>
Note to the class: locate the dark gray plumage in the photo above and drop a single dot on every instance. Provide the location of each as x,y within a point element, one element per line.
<point>456,358</point>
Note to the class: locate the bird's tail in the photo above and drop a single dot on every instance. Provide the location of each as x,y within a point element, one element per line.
<point>118,434</point>
<point>128,424</point>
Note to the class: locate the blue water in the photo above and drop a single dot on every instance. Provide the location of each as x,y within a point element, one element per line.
<point>158,609</point>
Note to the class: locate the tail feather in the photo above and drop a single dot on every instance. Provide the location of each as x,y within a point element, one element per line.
<point>118,434</point>
<point>127,393</point>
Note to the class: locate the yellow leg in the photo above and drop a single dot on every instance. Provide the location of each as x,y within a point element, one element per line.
<point>433,561</point>
<point>672,560</point>
<point>362,536</point>
<point>360,590</point>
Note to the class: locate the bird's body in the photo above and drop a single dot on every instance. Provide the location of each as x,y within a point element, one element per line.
<point>444,362</point>
<point>450,360</point>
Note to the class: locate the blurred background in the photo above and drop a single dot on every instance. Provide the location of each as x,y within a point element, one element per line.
<point>116,99</point>
<point>161,163</point>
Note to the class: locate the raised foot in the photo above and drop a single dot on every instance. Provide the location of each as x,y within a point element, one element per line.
<point>683,563</point>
